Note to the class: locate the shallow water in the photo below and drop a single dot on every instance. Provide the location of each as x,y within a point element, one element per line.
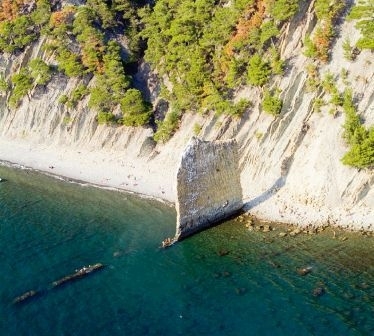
<point>223,281</point>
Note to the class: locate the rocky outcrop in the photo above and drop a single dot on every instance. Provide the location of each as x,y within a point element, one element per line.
<point>208,185</point>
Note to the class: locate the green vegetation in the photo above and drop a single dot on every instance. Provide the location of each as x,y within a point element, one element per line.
<point>204,50</point>
<point>82,39</point>
<point>363,13</point>
<point>69,63</point>
<point>318,46</point>
<point>208,49</point>
<point>75,96</point>
<point>63,99</point>
<point>135,111</point>
<point>105,118</point>
<point>360,139</point>
<point>313,79</point>
<point>348,50</point>
<point>258,71</point>
<point>40,71</point>
<point>21,84</point>
<point>16,34</point>
<point>196,129</point>
<point>284,9</point>
<point>271,103</point>
<point>4,85</point>
<point>317,104</point>
<point>310,49</point>
<point>167,127</point>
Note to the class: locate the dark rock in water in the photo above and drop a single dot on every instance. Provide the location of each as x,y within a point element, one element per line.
<point>318,291</point>
<point>274,264</point>
<point>216,275</point>
<point>226,274</point>
<point>168,242</point>
<point>223,252</point>
<point>117,254</point>
<point>84,271</point>
<point>362,285</point>
<point>240,290</point>
<point>304,271</point>
<point>25,296</point>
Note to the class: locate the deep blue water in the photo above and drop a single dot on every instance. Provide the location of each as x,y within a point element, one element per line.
<point>223,281</point>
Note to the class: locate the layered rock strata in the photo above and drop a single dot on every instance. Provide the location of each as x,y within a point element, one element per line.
<point>208,185</point>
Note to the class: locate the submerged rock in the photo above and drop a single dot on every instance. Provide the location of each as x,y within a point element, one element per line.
<point>304,271</point>
<point>318,291</point>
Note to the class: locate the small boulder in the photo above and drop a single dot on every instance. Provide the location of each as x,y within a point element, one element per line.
<point>318,291</point>
<point>304,270</point>
<point>267,228</point>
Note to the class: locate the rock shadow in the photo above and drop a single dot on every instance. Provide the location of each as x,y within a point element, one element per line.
<point>277,185</point>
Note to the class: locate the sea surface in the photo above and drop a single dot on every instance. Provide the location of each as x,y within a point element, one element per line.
<point>223,281</point>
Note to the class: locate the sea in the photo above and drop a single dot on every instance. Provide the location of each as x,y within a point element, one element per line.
<point>226,280</point>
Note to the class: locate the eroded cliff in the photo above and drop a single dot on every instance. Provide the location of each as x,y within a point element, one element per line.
<point>290,165</point>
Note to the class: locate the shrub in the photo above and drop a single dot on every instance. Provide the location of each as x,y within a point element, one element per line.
<point>268,31</point>
<point>258,71</point>
<point>42,13</point>
<point>317,104</point>
<point>240,107</point>
<point>344,74</point>
<point>361,155</point>
<point>63,99</point>
<point>4,86</point>
<point>22,83</point>
<point>310,49</point>
<point>328,83</point>
<point>16,34</point>
<point>276,63</point>
<point>363,12</point>
<point>105,117</point>
<point>196,129</point>
<point>69,63</point>
<point>100,97</point>
<point>77,94</point>
<point>136,111</point>
<point>347,50</point>
<point>271,103</point>
<point>361,140</point>
<point>284,9</point>
<point>40,71</point>
<point>167,127</point>
<point>336,98</point>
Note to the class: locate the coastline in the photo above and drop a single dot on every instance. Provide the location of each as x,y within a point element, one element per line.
<point>149,179</point>
<point>95,168</point>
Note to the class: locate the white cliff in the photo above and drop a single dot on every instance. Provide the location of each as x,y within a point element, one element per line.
<point>290,168</point>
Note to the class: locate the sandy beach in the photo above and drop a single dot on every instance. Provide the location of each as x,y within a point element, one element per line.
<point>156,179</point>
<point>100,168</point>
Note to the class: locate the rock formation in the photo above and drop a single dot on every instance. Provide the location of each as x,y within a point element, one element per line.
<point>208,185</point>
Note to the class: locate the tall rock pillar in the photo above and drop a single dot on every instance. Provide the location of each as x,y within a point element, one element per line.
<point>208,185</point>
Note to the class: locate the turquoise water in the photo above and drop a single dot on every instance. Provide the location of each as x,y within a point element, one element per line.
<point>223,281</point>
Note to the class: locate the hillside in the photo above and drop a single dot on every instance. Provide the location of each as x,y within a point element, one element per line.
<point>111,91</point>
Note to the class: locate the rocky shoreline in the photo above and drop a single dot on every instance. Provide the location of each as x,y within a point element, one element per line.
<point>104,169</point>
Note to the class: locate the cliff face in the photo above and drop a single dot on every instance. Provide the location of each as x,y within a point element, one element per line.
<point>208,185</point>
<point>290,166</point>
